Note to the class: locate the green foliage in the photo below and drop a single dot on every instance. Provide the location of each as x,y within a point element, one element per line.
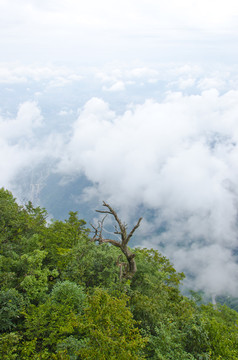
<point>11,218</point>
<point>196,339</point>
<point>153,267</point>
<point>92,265</point>
<point>71,347</point>
<point>35,282</point>
<point>11,306</point>
<point>166,344</point>
<point>9,346</point>
<point>16,220</point>
<point>46,325</point>
<point>61,299</point>
<point>230,301</point>
<point>61,237</point>
<point>111,329</point>
<point>221,327</point>
<point>155,296</point>
<point>69,294</point>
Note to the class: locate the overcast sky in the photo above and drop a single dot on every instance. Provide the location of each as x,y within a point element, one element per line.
<point>93,32</point>
<point>141,97</point>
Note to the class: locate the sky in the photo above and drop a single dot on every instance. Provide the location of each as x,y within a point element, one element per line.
<point>141,99</point>
<point>76,32</point>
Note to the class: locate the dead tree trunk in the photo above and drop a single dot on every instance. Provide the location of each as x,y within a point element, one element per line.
<point>127,270</point>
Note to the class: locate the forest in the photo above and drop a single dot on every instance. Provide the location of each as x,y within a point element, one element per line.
<point>67,293</point>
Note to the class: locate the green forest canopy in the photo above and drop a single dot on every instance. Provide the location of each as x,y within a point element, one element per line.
<point>62,297</point>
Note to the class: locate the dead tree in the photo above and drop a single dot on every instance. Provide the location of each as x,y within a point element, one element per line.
<point>127,269</point>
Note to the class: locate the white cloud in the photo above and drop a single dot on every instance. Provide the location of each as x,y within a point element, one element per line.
<point>6,76</point>
<point>21,147</point>
<point>28,118</point>
<point>65,112</point>
<point>56,76</point>
<point>130,74</point>
<point>211,83</point>
<point>186,83</point>
<point>143,72</point>
<point>118,86</point>
<point>213,267</point>
<point>177,157</point>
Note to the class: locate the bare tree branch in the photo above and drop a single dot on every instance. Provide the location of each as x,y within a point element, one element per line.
<point>127,270</point>
<point>134,229</point>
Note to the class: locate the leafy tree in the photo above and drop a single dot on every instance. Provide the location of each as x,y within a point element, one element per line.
<point>91,265</point>
<point>110,329</point>
<point>65,297</point>
<point>10,346</point>
<point>155,295</point>
<point>61,237</point>
<point>69,294</point>
<point>166,344</point>
<point>221,327</point>
<point>35,282</point>
<point>46,325</point>
<point>20,228</point>
<point>16,220</point>
<point>70,347</point>
<point>11,219</point>
<point>11,307</point>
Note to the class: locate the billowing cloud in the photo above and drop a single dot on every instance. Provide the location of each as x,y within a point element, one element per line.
<point>212,267</point>
<point>28,118</point>
<point>177,157</point>
<point>20,145</point>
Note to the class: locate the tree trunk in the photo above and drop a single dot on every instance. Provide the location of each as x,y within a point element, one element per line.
<point>127,270</point>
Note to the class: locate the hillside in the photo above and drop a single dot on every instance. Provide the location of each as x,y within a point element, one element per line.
<point>62,297</point>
